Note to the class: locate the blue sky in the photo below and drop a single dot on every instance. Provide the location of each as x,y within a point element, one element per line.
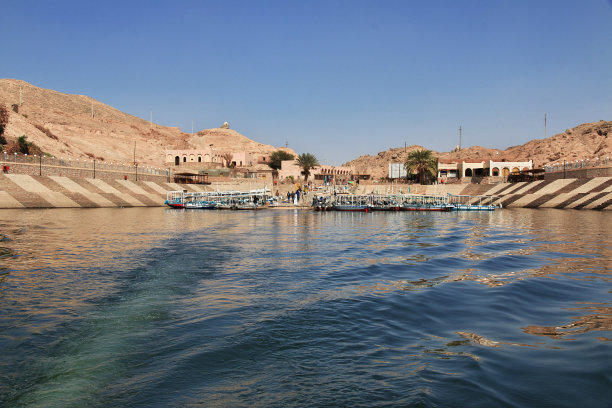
<point>335,78</point>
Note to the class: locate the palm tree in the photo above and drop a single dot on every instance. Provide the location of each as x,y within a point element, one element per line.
<point>422,162</point>
<point>307,161</point>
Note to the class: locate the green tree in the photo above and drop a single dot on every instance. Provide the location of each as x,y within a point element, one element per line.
<point>307,161</point>
<point>423,163</point>
<point>277,157</point>
<point>24,145</point>
<point>4,118</point>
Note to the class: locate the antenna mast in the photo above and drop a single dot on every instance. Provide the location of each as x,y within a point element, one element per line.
<point>459,137</point>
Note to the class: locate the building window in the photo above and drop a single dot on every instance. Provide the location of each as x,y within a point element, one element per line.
<point>199,159</point>
<point>177,160</point>
<point>184,159</point>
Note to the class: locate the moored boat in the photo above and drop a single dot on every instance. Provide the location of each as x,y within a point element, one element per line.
<point>214,200</point>
<point>351,202</point>
<point>473,203</point>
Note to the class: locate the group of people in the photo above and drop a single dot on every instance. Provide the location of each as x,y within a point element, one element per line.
<point>295,196</point>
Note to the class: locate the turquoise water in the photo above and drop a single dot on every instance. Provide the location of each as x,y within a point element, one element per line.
<point>152,307</point>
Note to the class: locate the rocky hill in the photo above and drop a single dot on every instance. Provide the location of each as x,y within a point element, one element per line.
<point>78,126</point>
<point>589,140</point>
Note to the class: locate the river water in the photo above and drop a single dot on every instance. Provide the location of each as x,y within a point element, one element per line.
<point>154,307</point>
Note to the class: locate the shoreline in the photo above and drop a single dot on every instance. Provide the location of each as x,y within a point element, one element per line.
<point>28,191</point>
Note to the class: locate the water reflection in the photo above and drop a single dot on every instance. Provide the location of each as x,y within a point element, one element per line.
<point>599,319</point>
<point>137,306</point>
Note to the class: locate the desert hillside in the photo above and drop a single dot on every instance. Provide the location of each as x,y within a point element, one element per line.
<point>589,140</point>
<point>63,125</point>
<point>78,126</point>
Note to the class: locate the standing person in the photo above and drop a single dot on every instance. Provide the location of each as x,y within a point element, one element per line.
<point>297,195</point>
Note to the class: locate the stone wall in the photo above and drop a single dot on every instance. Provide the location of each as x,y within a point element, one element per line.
<point>584,173</point>
<point>36,169</point>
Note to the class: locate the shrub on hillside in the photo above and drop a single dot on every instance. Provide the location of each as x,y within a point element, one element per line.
<point>46,132</point>
<point>22,146</point>
<point>4,117</point>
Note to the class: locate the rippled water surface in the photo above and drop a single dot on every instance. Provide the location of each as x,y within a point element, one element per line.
<point>159,307</point>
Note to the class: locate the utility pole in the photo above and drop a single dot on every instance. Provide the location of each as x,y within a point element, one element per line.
<point>544,126</point>
<point>134,152</point>
<point>459,137</point>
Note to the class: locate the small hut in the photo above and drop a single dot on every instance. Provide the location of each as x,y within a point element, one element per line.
<point>191,178</point>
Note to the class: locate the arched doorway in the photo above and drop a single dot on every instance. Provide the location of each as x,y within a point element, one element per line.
<point>495,171</point>
<point>177,160</point>
<point>506,172</point>
<point>468,172</point>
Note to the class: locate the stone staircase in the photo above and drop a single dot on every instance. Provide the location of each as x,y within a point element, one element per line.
<point>24,191</point>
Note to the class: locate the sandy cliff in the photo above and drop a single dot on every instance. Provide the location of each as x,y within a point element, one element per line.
<point>63,125</point>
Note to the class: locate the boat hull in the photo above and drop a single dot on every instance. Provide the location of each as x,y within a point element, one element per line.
<point>174,204</point>
<point>474,208</point>
<point>434,208</point>
<point>354,208</point>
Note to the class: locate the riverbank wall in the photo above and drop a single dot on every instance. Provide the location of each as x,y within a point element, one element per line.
<point>32,191</point>
<point>575,193</point>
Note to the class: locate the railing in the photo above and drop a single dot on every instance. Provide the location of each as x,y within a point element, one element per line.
<point>91,164</point>
<point>578,164</point>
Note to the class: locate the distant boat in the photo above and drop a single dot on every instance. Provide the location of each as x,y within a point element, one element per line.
<point>215,200</point>
<point>426,207</point>
<point>474,207</point>
<point>343,202</point>
<point>175,199</point>
<point>473,203</point>
<point>321,203</point>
